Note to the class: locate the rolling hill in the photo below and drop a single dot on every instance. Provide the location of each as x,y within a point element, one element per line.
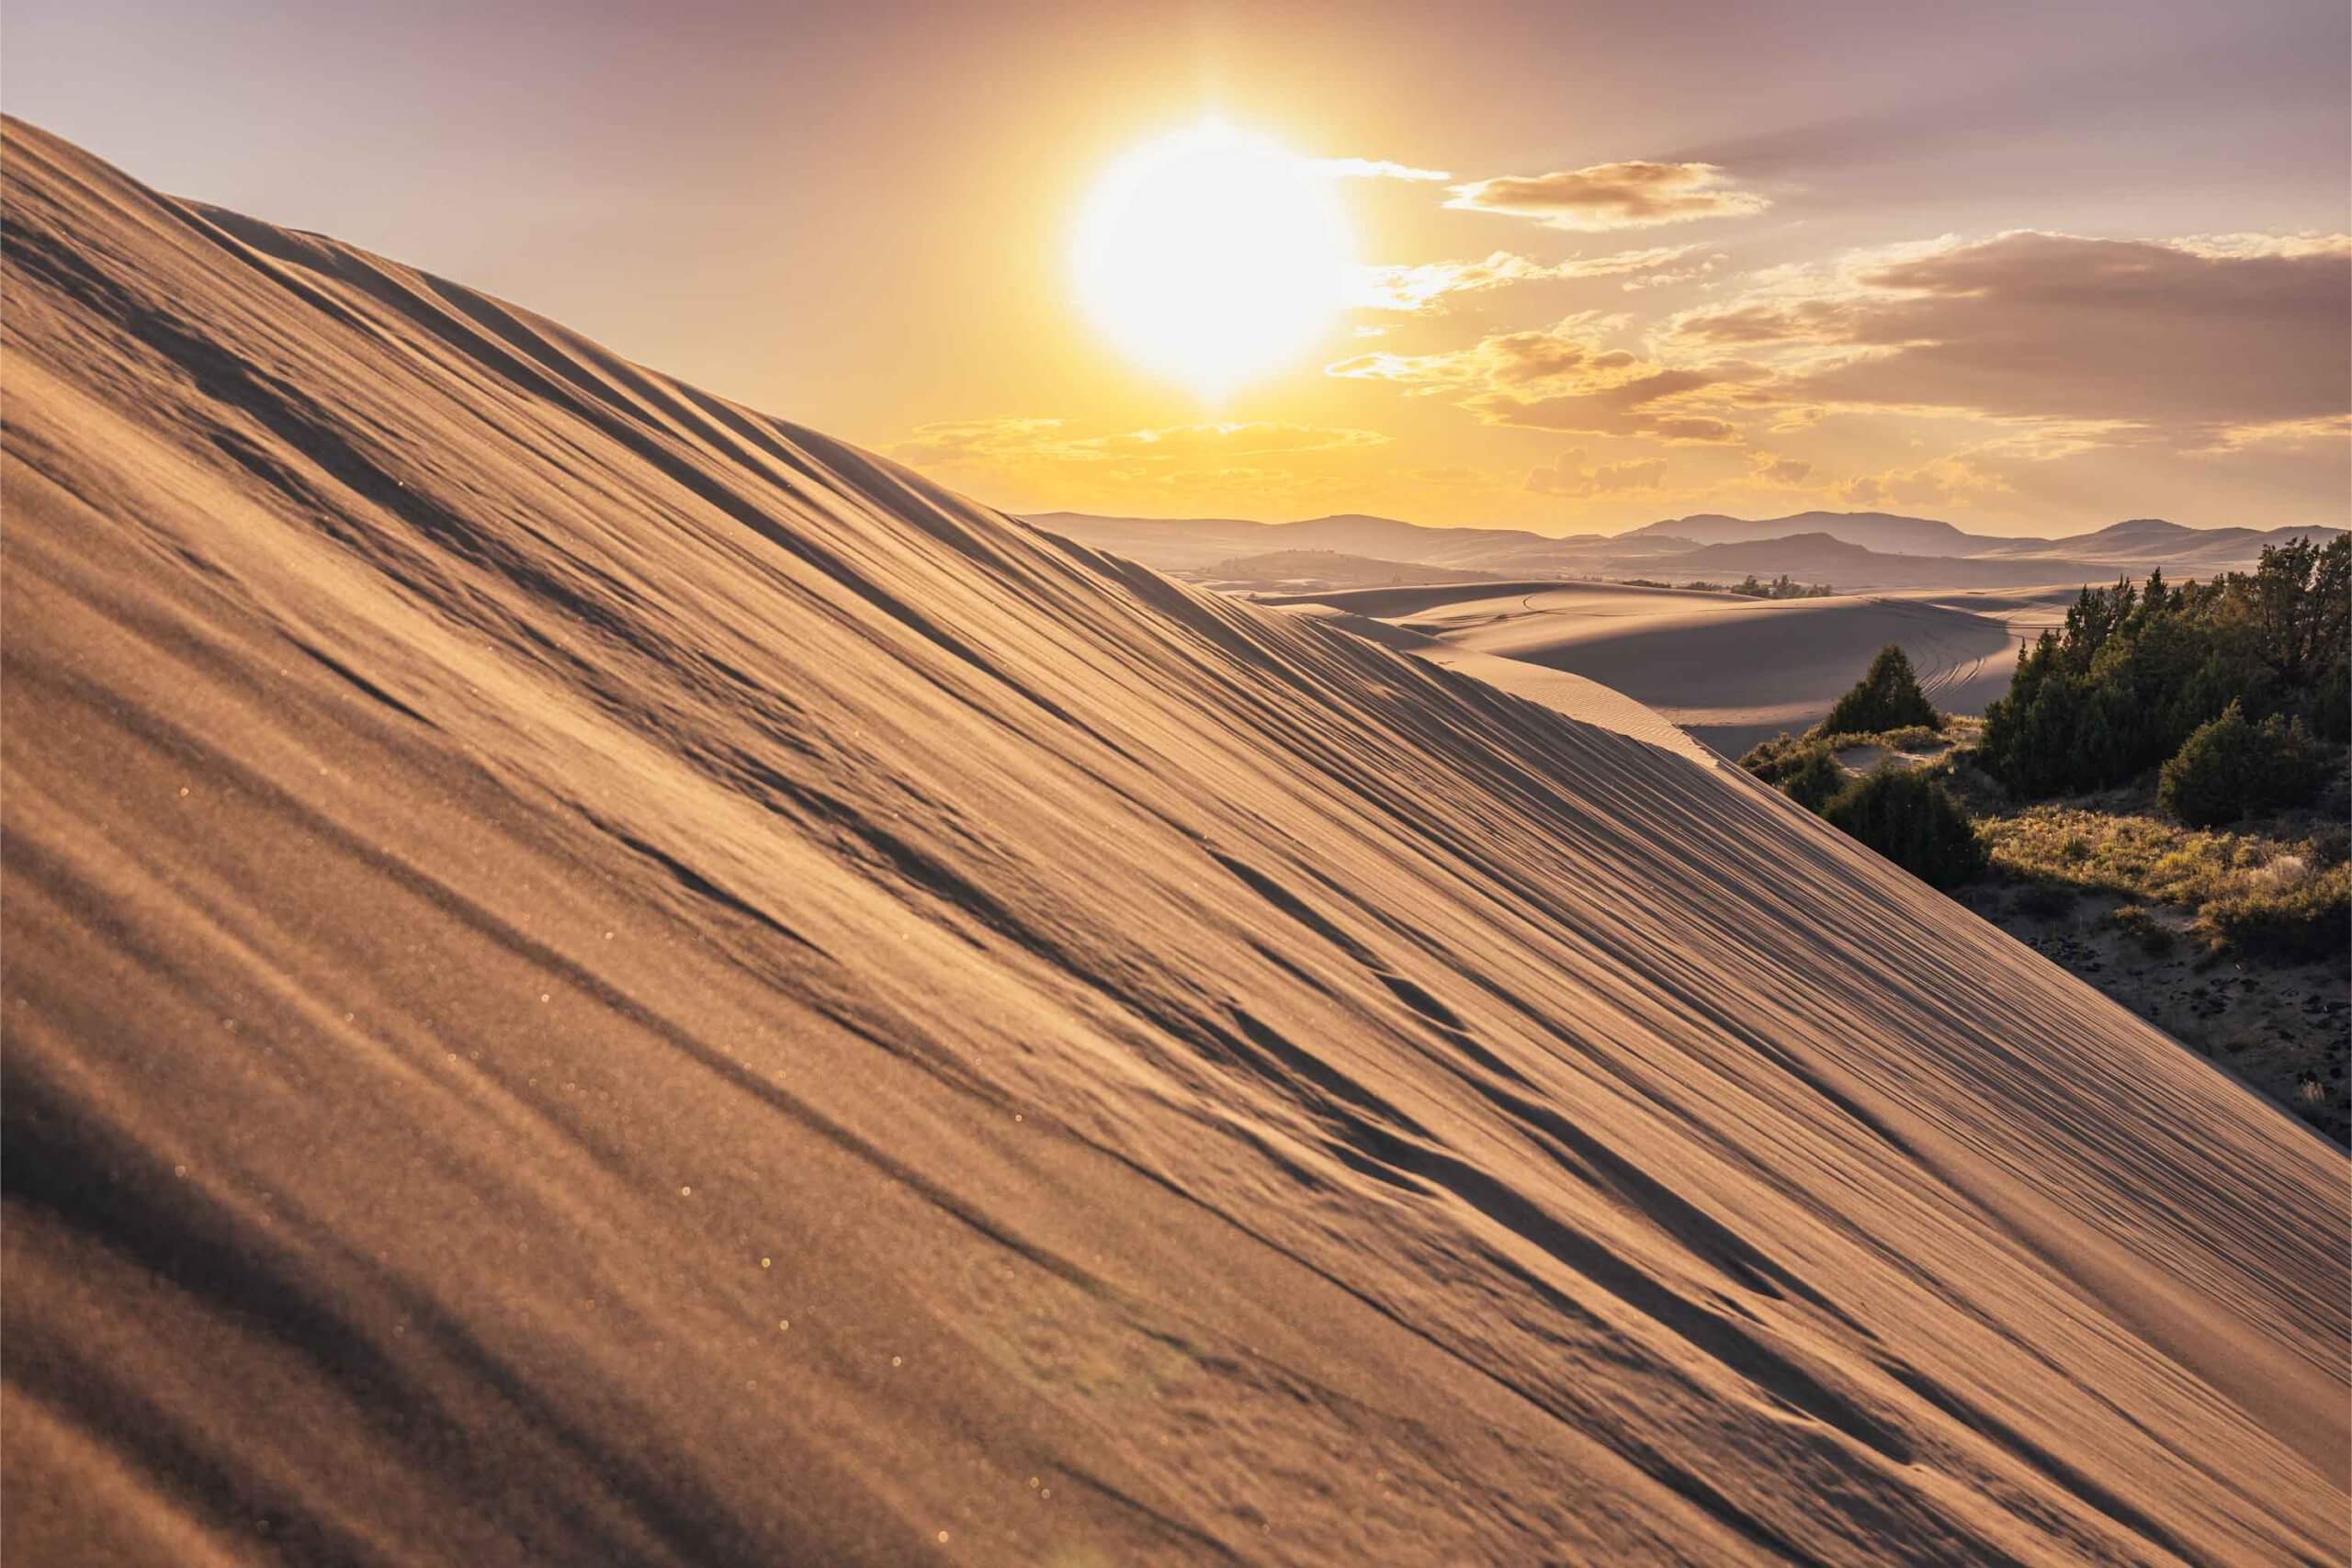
<point>1878,531</point>
<point>1852,550</point>
<point>594,976</point>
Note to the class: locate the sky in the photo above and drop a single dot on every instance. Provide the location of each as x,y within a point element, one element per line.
<point>2033,268</point>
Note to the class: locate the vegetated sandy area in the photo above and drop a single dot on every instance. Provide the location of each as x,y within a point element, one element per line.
<point>1732,669</point>
<point>592,975</point>
<point>2283,1026</point>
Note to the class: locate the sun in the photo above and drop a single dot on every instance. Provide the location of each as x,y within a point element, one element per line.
<point>1213,256</point>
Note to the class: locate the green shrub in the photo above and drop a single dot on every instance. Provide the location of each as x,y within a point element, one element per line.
<point>1773,760</point>
<point>2332,708</point>
<point>1912,820</point>
<point>2231,767</point>
<point>1814,779</point>
<point>2307,918</point>
<point>1888,697</point>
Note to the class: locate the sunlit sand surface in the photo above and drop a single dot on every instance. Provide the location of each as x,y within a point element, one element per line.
<point>594,976</point>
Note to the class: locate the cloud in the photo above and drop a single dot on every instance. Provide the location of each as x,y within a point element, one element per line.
<point>1517,359</point>
<point>1423,286</point>
<point>1663,273</point>
<point>1651,403</point>
<point>1371,169</point>
<point>1773,468</point>
<point>964,440</point>
<point>1561,378</point>
<point>2235,247</point>
<point>1613,196</point>
<point>2192,341</point>
<point>1959,478</point>
<point>1428,285</point>
<point>1570,475</point>
<point>1657,258</point>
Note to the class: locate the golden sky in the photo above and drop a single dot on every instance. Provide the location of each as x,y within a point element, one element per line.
<point>2030,267</point>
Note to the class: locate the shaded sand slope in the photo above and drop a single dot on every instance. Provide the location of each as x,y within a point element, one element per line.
<point>1731,669</point>
<point>591,976</point>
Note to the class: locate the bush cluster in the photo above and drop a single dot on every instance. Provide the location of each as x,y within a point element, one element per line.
<point>2305,919</point>
<point>1888,697</point>
<point>1911,819</point>
<point>2229,767</point>
<point>1781,587</point>
<point>1814,778</point>
<point>1751,586</point>
<point>2139,669</point>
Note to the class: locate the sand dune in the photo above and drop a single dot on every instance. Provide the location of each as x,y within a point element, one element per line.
<point>591,976</point>
<point>1295,570</point>
<point>1733,671</point>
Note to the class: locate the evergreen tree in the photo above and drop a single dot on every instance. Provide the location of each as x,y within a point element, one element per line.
<point>1913,820</point>
<point>1888,697</point>
<point>2133,673</point>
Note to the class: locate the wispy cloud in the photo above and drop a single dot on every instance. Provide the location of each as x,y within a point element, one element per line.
<point>1505,359</point>
<point>1372,169</point>
<point>1564,378</point>
<point>1613,196</point>
<point>1426,286</point>
<point>1942,481</point>
<point>2189,341</point>
<point>1770,468</point>
<point>1657,404</point>
<point>1570,475</point>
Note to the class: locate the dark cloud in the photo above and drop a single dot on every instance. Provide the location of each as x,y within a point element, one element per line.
<point>2195,337</point>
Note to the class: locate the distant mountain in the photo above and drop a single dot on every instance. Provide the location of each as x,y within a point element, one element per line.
<point>1882,531</point>
<point>1819,558</point>
<point>1852,549</point>
<point>2145,542</point>
<point>1327,569</point>
<point>1187,544</point>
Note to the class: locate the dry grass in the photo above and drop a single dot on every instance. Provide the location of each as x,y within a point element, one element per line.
<point>2282,892</point>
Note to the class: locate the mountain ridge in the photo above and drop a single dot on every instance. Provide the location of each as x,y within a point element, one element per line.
<point>1187,544</point>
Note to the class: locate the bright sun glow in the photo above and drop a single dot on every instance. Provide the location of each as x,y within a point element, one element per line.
<point>1213,256</point>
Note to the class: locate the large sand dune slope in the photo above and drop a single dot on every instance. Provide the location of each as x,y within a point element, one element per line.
<point>592,976</point>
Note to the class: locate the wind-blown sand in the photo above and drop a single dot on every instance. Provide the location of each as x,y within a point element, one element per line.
<point>1731,669</point>
<point>591,976</point>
